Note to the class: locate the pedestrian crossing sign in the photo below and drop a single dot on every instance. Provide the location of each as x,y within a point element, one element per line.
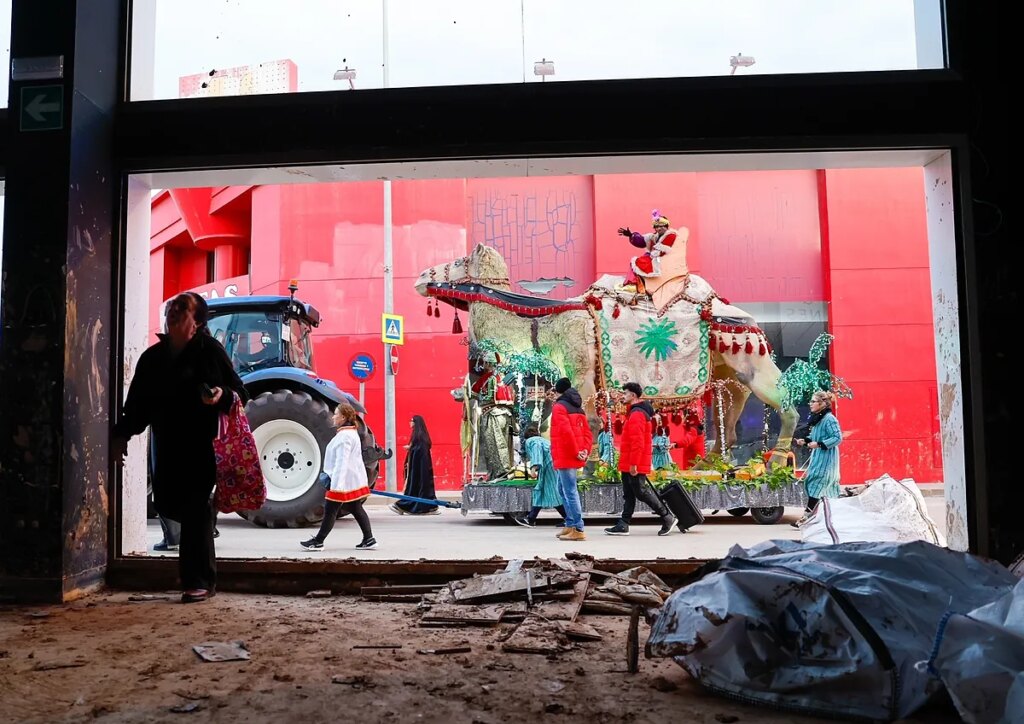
<point>393,329</point>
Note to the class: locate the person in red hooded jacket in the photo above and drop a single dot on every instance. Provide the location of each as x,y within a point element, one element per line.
<point>635,463</point>
<point>691,439</point>
<point>571,441</point>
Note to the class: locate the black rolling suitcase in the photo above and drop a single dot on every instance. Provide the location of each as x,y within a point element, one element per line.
<point>678,501</point>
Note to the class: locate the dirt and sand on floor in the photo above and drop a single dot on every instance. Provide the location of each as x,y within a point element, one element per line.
<point>110,659</point>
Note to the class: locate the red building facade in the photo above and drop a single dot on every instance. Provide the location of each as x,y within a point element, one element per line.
<point>846,249</point>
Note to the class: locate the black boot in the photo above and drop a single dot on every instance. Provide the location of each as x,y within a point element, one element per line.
<point>667,521</point>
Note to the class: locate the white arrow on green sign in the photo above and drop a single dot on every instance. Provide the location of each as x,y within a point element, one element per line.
<point>42,108</point>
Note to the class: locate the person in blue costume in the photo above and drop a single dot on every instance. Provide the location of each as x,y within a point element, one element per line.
<point>545,492</point>
<point>661,459</point>
<point>821,434</point>
<point>606,445</point>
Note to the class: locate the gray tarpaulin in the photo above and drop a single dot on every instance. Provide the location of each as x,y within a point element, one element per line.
<point>833,630</point>
<point>980,658</point>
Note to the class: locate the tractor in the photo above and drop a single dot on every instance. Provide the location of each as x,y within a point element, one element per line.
<point>268,339</point>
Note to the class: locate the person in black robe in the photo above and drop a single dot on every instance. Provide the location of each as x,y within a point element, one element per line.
<point>419,473</point>
<point>182,385</point>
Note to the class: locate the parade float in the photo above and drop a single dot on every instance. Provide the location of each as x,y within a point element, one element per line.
<point>664,328</point>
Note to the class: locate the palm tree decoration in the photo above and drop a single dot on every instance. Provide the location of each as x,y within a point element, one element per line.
<point>656,338</point>
<point>803,377</point>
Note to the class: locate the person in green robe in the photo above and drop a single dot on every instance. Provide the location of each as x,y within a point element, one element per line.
<point>496,421</point>
<point>545,492</point>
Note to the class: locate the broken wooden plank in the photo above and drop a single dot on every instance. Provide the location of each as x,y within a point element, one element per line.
<point>597,594</point>
<point>568,594</point>
<point>580,630</point>
<point>536,635</point>
<point>580,590</point>
<point>633,593</point>
<point>569,608</point>
<point>606,608</point>
<point>474,616</point>
<point>399,590</point>
<point>452,650</point>
<point>633,642</point>
<point>505,586</point>
<point>644,576</point>
<point>393,599</point>
<point>487,614</point>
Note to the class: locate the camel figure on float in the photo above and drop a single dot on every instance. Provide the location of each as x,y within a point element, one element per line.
<point>567,333</point>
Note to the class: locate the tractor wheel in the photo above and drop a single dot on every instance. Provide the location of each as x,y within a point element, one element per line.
<point>292,431</point>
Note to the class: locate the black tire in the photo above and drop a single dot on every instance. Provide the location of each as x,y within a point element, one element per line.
<point>738,512</point>
<point>313,415</point>
<point>767,516</point>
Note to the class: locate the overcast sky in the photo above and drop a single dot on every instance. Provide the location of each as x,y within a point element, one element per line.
<point>445,42</point>
<point>448,42</point>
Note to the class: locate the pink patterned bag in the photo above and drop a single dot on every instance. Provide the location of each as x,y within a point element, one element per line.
<point>240,483</point>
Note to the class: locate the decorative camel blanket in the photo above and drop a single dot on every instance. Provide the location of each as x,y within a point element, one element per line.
<point>667,353</point>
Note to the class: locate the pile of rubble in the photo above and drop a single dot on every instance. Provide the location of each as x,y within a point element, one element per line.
<point>543,597</point>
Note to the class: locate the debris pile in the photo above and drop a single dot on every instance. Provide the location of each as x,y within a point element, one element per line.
<point>542,598</point>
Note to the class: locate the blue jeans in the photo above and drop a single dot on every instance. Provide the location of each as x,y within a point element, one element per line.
<point>571,498</point>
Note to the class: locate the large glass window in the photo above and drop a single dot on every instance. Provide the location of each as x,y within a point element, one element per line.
<point>825,276</point>
<point>191,49</point>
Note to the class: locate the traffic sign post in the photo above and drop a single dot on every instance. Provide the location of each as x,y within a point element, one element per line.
<point>362,367</point>
<point>392,329</point>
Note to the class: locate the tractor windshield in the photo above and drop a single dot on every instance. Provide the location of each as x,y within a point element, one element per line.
<point>253,340</point>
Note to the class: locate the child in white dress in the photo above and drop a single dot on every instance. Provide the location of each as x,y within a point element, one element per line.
<point>343,463</point>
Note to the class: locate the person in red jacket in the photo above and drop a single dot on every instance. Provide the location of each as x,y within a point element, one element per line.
<point>571,441</point>
<point>691,440</point>
<point>635,463</point>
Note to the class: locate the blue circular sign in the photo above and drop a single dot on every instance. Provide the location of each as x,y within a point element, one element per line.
<point>362,367</point>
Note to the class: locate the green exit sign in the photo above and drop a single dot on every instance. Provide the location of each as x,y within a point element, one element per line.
<point>42,108</point>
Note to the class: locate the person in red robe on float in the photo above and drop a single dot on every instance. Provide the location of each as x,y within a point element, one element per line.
<point>658,243</point>
<point>690,441</point>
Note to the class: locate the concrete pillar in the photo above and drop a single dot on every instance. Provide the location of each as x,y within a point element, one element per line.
<point>57,312</point>
<point>938,190</point>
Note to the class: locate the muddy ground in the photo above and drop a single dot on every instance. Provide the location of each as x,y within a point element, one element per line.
<point>109,659</point>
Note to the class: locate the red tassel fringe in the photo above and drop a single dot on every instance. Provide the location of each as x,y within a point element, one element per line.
<point>457,324</point>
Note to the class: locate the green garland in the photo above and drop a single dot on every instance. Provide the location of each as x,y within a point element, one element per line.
<point>528,362</point>
<point>804,377</point>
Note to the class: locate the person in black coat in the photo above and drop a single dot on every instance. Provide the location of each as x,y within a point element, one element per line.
<point>419,473</point>
<point>182,385</point>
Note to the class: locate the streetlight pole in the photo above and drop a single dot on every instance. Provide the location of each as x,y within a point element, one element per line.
<point>390,436</point>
